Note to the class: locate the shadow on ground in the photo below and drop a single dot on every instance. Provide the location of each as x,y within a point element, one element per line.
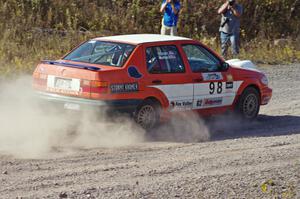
<point>230,128</point>
<point>189,128</point>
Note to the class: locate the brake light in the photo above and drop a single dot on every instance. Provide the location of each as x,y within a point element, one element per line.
<point>39,79</point>
<point>40,76</point>
<point>95,86</point>
<point>98,84</point>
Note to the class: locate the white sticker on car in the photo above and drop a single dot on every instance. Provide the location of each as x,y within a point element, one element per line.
<point>181,105</point>
<point>63,85</point>
<point>212,76</point>
<point>215,94</point>
<point>201,95</point>
<point>180,96</point>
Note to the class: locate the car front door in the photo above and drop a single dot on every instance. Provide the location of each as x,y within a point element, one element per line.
<point>213,87</point>
<point>167,72</point>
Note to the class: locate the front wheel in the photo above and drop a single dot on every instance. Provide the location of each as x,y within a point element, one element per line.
<point>147,115</point>
<point>248,104</point>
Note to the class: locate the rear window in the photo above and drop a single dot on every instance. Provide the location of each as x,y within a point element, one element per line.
<point>100,52</point>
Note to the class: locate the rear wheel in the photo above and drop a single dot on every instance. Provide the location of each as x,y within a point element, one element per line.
<point>248,104</point>
<point>147,115</point>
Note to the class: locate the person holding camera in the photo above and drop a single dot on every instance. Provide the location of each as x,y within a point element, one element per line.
<point>171,9</point>
<point>229,29</point>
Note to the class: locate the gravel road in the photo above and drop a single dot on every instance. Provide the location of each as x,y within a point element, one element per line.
<point>258,160</point>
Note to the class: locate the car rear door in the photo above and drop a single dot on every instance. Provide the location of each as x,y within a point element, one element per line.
<point>167,73</point>
<point>213,87</point>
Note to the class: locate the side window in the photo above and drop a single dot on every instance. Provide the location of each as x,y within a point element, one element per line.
<point>164,59</point>
<point>200,59</point>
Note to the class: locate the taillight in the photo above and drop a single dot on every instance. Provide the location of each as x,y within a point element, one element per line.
<point>98,84</point>
<point>95,86</point>
<point>40,78</point>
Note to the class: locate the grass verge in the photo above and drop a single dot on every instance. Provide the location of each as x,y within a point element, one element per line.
<point>19,53</point>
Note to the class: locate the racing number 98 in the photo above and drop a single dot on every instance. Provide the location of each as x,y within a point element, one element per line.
<point>215,87</point>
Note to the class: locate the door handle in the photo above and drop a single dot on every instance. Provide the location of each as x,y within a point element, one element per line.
<point>198,80</point>
<point>157,81</point>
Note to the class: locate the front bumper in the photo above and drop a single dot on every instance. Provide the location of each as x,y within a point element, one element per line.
<point>76,103</point>
<point>266,95</point>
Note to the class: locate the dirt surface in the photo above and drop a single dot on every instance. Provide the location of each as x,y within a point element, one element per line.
<point>258,160</point>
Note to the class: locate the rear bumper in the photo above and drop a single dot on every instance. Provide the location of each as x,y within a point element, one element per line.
<point>82,103</point>
<point>266,95</point>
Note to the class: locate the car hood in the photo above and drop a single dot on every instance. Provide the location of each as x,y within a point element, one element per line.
<point>243,64</point>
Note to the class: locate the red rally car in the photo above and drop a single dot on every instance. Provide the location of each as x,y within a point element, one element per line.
<point>150,76</point>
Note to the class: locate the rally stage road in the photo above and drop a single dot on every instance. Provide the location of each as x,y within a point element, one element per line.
<point>261,160</point>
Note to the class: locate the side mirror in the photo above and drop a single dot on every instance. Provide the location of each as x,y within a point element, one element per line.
<point>224,66</point>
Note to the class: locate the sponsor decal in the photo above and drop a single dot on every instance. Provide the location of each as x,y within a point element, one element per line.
<point>212,76</point>
<point>213,101</point>
<point>229,85</point>
<point>134,72</point>
<point>166,55</point>
<point>229,78</point>
<point>172,104</point>
<point>63,91</point>
<point>181,105</point>
<point>199,102</point>
<point>124,88</point>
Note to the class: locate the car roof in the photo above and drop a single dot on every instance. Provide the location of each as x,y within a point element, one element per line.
<point>141,38</point>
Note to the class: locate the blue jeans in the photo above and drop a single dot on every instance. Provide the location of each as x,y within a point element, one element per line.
<point>234,40</point>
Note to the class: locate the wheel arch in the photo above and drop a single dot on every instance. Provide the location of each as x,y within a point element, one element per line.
<point>256,88</point>
<point>239,107</point>
<point>252,85</point>
<point>155,105</point>
<point>156,95</point>
<point>154,99</point>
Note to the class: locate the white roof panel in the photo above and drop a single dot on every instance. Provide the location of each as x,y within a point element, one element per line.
<point>141,38</point>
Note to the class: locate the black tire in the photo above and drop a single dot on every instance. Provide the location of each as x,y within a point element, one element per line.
<point>248,104</point>
<point>147,114</point>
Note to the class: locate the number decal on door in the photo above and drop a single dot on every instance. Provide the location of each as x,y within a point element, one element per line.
<point>220,86</point>
<point>215,87</point>
<point>211,88</point>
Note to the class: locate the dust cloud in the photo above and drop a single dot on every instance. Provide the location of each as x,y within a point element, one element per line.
<point>183,127</point>
<point>30,129</point>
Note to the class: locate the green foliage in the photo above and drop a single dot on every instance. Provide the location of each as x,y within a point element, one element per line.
<point>268,18</point>
<point>32,30</point>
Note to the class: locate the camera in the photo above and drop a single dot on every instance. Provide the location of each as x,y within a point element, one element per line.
<point>231,2</point>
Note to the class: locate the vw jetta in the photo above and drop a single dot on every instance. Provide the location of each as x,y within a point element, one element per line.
<point>150,76</point>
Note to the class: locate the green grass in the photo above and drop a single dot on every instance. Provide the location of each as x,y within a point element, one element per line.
<point>261,51</point>
<point>20,54</point>
<point>21,48</point>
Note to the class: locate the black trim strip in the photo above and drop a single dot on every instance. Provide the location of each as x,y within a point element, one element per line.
<point>71,65</point>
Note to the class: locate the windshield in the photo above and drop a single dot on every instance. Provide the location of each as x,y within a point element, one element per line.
<point>100,52</point>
